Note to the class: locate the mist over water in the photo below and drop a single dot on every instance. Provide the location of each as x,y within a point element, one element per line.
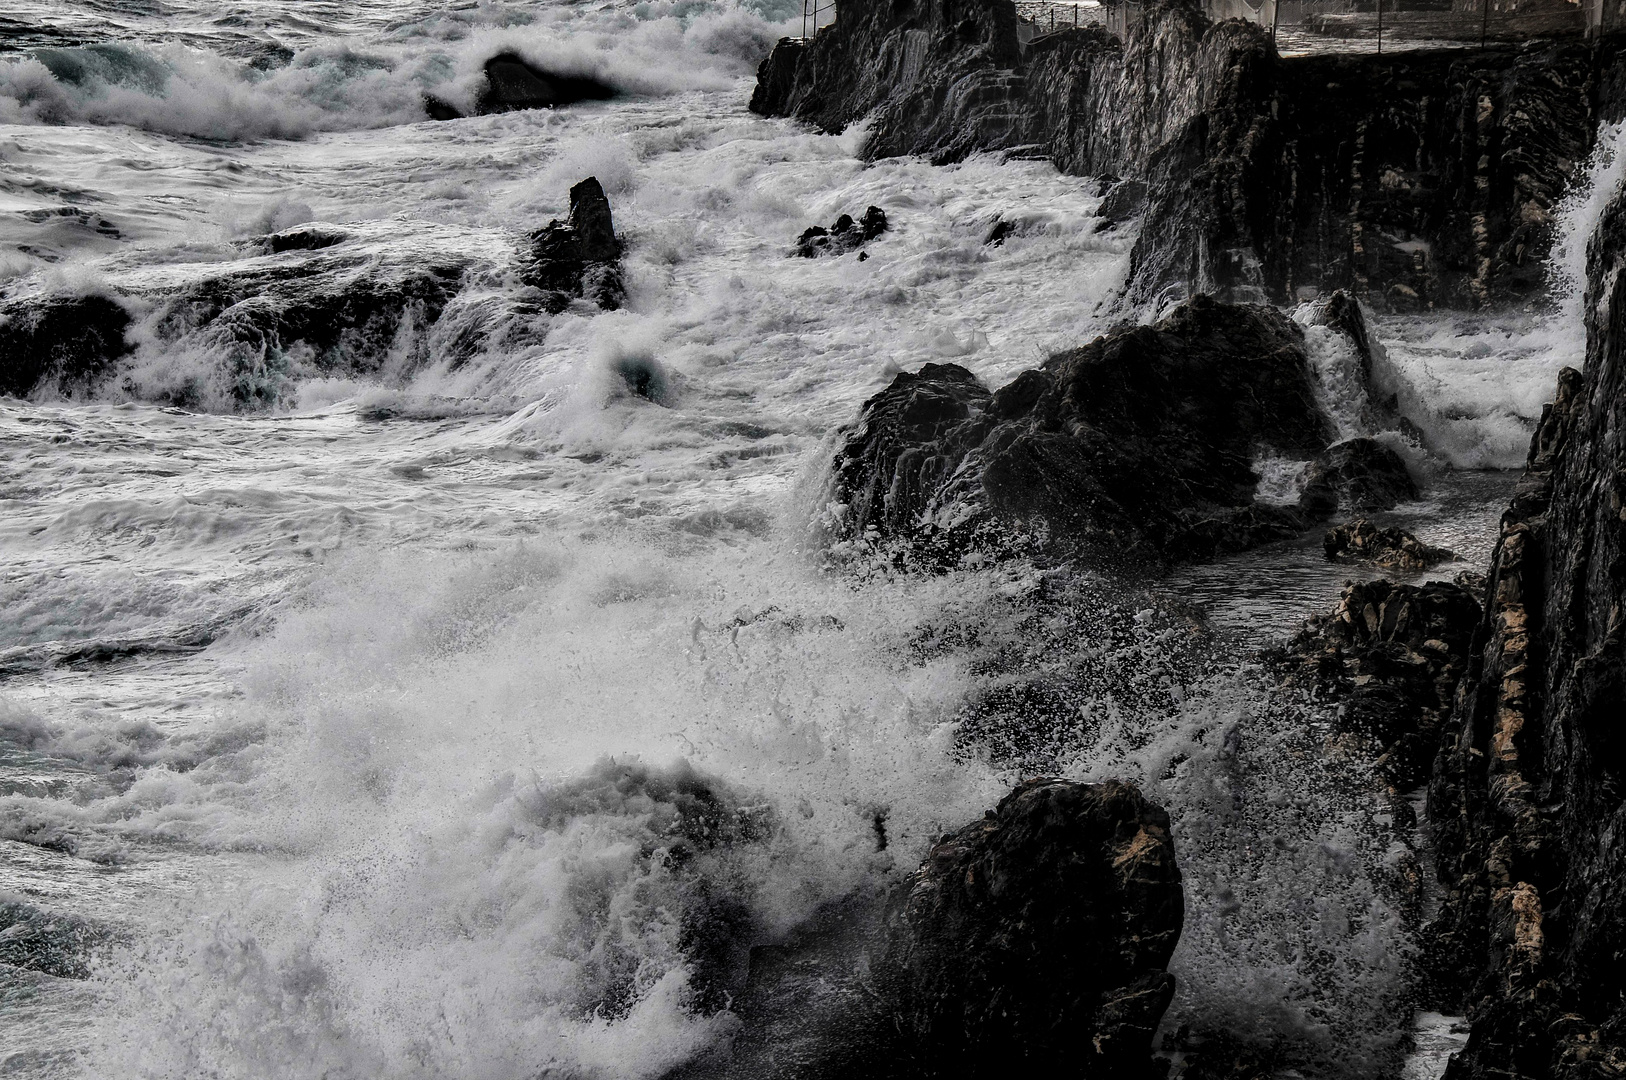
<point>354,705</point>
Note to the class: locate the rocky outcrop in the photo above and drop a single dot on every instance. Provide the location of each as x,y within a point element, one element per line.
<point>843,236</point>
<point>1392,655</point>
<point>1415,180</point>
<point>1037,939</point>
<point>1392,548</point>
<point>67,343</point>
<point>1527,803</point>
<point>578,257</point>
<point>1138,447</point>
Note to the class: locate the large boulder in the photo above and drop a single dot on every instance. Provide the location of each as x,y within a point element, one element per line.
<point>68,343</point>
<point>1036,940</point>
<point>578,257</point>
<point>1528,797</point>
<point>1137,447</point>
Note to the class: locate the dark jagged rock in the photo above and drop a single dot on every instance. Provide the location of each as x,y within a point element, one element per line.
<point>331,312</point>
<point>579,257</point>
<point>1138,446</point>
<point>1420,179</point>
<point>1527,803</point>
<point>67,342</point>
<point>513,83</point>
<point>1358,476</point>
<point>1037,939</point>
<point>1034,939</point>
<point>1393,549</point>
<point>1393,655</point>
<point>312,237</point>
<point>842,237</point>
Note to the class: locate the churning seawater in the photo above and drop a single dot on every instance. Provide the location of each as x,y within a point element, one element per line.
<point>317,722</point>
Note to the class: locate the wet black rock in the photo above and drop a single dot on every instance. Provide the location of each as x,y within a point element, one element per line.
<point>513,83</point>
<point>312,237</point>
<point>1528,798</point>
<point>1357,476</point>
<point>843,236</point>
<point>1038,938</point>
<point>1137,447</point>
<point>1416,180</point>
<point>1392,548</point>
<point>331,312</point>
<point>69,343</point>
<point>1393,656</point>
<point>578,257</point>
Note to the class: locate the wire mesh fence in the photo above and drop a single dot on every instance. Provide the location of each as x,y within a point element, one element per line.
<point>1356,25</point>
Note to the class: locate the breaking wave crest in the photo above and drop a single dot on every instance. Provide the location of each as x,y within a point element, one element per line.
<point>185,91</point>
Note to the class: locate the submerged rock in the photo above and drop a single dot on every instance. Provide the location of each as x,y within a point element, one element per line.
<point>1393,549</point>
<point>1038,938</point>
<point>66,342</point>
<point>1527,803</point>
<point>1357,476</point>
<point>578,257</point>
<point>1137,447</point>
<point>842,237</point>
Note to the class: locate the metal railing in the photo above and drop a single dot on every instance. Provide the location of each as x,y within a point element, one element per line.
<point>1048,17</point>
<point>816,15</point>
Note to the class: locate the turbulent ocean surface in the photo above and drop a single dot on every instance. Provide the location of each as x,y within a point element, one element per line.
<point>315,682</point>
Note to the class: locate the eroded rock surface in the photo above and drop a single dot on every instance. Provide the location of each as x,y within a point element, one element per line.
<point>1527,803</point>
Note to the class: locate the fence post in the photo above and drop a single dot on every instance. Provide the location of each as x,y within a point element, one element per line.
<point>1484,24</point>
<point>1380,27</point>
<point>1275,20</point>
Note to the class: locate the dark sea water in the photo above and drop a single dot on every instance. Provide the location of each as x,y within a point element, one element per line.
<point>296,702</point>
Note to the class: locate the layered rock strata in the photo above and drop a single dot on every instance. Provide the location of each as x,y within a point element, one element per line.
<point>1416,180</point>
<point>1528,801</point>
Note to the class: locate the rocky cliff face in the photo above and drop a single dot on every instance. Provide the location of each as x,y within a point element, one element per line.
<point>1414,180</point>
<point>1528,798</point>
